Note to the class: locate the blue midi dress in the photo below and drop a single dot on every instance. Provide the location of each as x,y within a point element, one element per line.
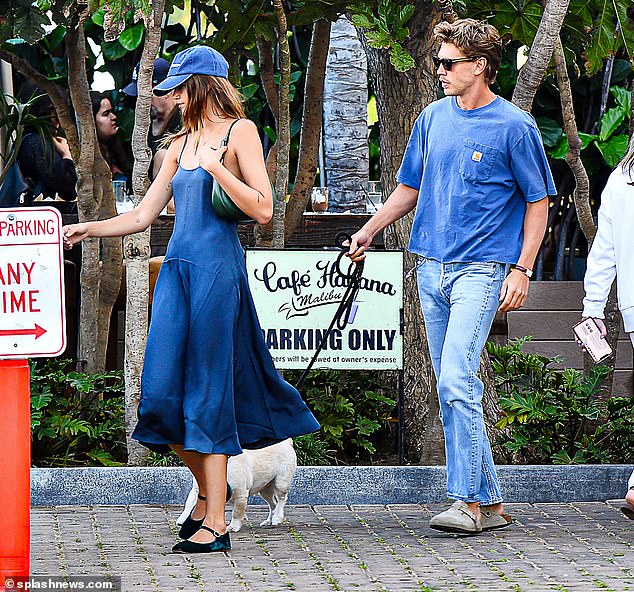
<point>209,382</point>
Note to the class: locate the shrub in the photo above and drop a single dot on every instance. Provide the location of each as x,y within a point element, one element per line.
<point>351,406</point>
<point>76,418</point>
<point>556,416</point>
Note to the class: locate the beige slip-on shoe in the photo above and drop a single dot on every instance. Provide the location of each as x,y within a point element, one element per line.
<point>492,521</point>
<point>459,519</point>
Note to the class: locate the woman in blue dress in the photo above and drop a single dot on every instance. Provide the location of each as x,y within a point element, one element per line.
<point>209,386</point>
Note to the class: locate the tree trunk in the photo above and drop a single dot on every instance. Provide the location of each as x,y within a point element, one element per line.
<point>581,194</point>
<point>346,152</point>
<point>100,276</point>
<point>264,232</point>
<point>137,246</point>
<point>283,126</point>
<point>400,97</point>
<point>311,127</point>
<point>533,71</point>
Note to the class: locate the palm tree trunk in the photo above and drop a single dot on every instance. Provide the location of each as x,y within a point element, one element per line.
<point>346,120</point>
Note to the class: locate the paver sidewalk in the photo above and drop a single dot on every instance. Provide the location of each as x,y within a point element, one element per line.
<point>580,547</point>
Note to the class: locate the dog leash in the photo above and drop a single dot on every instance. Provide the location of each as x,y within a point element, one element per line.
<point>342,316</point>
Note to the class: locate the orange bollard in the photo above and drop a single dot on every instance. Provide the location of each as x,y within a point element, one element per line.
<point>15,469</point>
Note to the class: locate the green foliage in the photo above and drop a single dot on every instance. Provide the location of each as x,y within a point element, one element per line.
<point>351,407</point>
<point>76,418</point>
<point>590,26</point>
<point>312,450</point>
<point>15,117</point>
<point>556,416</point>
<point>612,139</point>
<point>170,459</point>
<point>385,28</point>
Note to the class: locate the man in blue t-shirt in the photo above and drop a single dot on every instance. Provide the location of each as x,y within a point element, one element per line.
<point>476,172</point>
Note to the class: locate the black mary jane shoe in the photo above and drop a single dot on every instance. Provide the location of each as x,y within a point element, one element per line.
<point>191,526</point>
<point>221,543</point>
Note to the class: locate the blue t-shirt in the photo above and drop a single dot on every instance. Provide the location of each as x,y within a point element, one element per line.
<point>474,170</point>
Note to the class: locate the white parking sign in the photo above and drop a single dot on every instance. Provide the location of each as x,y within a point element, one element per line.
<point>32,316</point>
<point>297,292</point>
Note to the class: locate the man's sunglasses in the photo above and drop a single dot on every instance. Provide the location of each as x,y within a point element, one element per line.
<point>447,63</point>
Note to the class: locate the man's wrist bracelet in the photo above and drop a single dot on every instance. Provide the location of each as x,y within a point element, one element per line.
<point>527,272</point>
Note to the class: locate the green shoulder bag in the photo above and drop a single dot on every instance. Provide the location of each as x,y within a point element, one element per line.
<point>223,205</point>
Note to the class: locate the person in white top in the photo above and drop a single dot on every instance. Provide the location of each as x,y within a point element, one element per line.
<point>612,254</point>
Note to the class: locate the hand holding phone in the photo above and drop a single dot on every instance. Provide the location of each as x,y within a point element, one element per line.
<point>592,338</point>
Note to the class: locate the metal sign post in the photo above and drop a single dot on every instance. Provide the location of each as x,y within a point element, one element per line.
<point>296,294</point>
<point>32,324</point>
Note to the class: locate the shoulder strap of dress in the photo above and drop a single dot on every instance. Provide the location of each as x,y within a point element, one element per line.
<point>183,148</point>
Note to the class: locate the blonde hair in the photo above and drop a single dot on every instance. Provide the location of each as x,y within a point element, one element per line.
<point>475,39</point>
<point>203,91</point>
<point>627,163</point>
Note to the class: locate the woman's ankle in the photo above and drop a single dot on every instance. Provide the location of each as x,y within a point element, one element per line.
<point>220,526</point>
<point>497,508</point>
<point>199,511</point>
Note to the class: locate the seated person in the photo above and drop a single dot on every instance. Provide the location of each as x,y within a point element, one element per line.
<point>46,163</point>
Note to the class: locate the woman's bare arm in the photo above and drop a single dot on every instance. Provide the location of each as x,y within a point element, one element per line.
<point>137,220</point>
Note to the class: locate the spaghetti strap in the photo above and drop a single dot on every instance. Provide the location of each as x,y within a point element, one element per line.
<point>226,140</point>
<point>182,149</point>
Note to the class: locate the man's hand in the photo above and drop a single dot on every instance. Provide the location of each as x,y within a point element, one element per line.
<point>360,241</point>
<point>514,291</point>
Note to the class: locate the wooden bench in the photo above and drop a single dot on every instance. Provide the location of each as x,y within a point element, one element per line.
<point>550,311</point>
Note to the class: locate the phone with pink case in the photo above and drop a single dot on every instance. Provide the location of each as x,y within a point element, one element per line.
<point>589,334</point>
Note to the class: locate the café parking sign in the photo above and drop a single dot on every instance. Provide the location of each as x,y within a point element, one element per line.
<point>297,292</point>
<point>32,316</point>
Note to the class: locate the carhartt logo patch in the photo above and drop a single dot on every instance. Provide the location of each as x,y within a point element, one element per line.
<point>476,156</point>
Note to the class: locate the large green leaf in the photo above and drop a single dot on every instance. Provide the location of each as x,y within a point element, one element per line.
<point>561,149</point>
<point>610,122</point>
<point>98,16</point>
<point>132,36</point>
<point>586,139</point>
<point>614,149</point>
<point>604,38</point>
<point>550,130</point>
<point>113,50</point>
<point>622,97</point>
<point>518,19</point>
<point>29,23</point>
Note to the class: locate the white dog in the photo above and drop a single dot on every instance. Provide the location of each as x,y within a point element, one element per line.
<point>267,471</point>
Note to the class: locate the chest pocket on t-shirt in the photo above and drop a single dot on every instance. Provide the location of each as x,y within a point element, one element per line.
<point>476,161</point>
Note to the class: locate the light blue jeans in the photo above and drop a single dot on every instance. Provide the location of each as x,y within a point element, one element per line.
<point>459,301</point>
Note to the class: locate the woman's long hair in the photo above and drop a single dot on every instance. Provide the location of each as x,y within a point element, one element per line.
<point>112,149</point>
<point>628,160</point>
<point>205,92</point>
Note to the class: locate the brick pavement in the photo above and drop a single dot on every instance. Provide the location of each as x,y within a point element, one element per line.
<point>565,547</point>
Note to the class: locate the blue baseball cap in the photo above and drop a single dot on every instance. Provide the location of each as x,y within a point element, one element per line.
<point>161,68</point>
<point>200,59</point>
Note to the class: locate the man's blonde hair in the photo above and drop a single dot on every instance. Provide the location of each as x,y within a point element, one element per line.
<point>474,39</point>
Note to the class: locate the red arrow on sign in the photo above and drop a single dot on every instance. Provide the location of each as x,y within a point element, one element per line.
<point>37,331</point>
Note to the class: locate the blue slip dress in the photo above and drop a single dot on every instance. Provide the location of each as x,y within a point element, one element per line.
<point>208,381</point>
